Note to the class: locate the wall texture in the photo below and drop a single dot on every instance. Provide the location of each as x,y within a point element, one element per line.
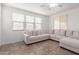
<point>10,36</point>
<point>73,18</point>
<point>0,25</point>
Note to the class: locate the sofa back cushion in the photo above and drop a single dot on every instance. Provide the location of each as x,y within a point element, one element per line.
<point>30,33</point>
<point>34,33</point>
<point>51,31</point>
<point>69,33</point>
<point>45,31</point>
<point>62,32</point>
<point>39,32</point>
<point>76,34</point>
<point>56,31</point>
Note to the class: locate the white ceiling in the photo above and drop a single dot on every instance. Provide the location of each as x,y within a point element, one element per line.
<point>64,6</point>
<point>43,8</point>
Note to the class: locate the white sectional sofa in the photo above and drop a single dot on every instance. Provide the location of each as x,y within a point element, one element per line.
<point>71,42</point>
<point>67,38</point>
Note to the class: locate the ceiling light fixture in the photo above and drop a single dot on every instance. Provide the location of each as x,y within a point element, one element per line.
<point>53,5</point>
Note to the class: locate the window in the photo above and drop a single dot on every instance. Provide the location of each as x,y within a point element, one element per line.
<point>29,23</point>
<point>33,23</point>
<point>56,23</point>
<point>60,22</point>
<point>30,19</point>
<point>38,26</point>
<point>17,26</point>
<point>18,21</point>
<point>29,26</point>
<point>38,20</point>
<point>38,23</point>
<point>63,22</point>
<point>21,22</point>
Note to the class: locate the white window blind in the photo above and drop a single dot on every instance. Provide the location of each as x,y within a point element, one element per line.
<point>38,26</point>
<point>60,22</point>
<point>38,20</point>
<point>29,26</point>
<point>63,22</point>
<point>18,21</point>
<point>21,22</point>
<point>38,23</point>
<point>17,26</point>
<point>30,19</point>
<point>33,23</point>
<point>29,22</point>
<point>56,23</point>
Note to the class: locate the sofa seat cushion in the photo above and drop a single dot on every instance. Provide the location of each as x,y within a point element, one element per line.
<point>75,35</point>
<point>51,31</point>
<point>56,31</point>
<point>70,42</point>
<point>37,38</point>
<point>56,36</point>
<point>52,35</point>
<point>62,32</point>
<point>60,36</point>
<point>69,33</point>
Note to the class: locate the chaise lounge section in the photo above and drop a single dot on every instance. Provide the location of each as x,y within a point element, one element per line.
<point>71,42</point>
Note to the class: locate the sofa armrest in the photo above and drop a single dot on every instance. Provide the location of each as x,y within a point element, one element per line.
<point>26,38</point>
<point>26,35</point>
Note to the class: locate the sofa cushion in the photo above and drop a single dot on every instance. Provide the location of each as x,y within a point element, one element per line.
<point>62,32</point>
<point>56,31</point>
<point>75,34</point>
<point>29,32</point>
<point>52,36</point>
<point>59,36</point>
<point>45,32</point>
<point>70,42</point>
<point>51,31</point>
<point>38,38</point>
<point>69,33</point>
<point>34,33</point>
<point>39,32</point>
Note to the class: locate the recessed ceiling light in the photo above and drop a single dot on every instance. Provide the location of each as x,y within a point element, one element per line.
<point>53,5</point>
